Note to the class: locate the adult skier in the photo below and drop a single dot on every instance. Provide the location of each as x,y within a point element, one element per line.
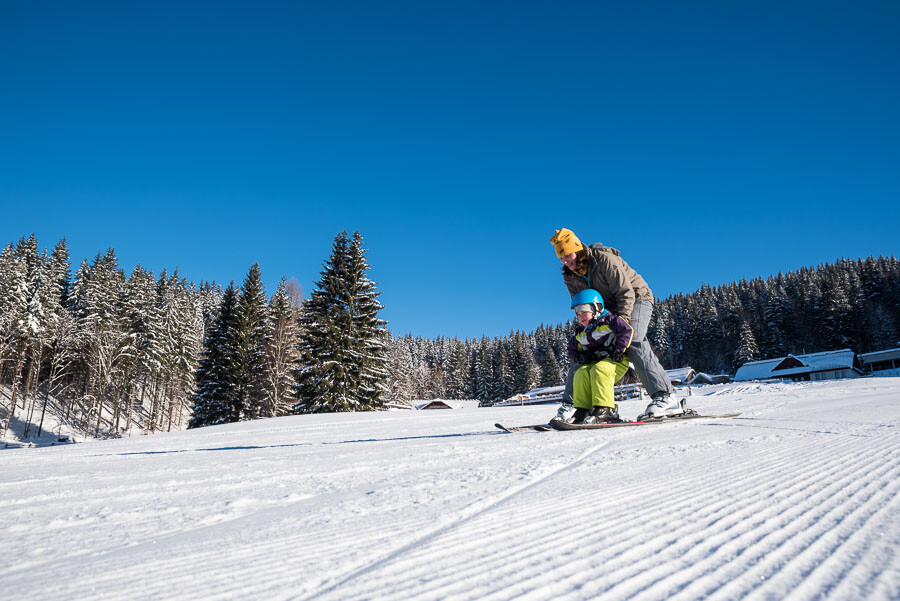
<point>626,294</point>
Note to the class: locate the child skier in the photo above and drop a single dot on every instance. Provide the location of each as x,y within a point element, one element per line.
<point>598,351</point>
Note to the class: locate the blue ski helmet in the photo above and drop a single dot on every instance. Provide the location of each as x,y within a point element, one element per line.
<point>590,297</point>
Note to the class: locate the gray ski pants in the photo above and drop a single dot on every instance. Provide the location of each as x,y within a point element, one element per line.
<point>647,367</point>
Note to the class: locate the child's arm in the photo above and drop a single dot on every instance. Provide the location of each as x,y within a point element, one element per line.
<point>623,332</point>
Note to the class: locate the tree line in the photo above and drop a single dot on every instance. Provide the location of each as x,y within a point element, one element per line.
<point>324,355</point>
<point>851,304</point>
<point>848,304</point>
<point>99,349</point>
<point>107,353</point>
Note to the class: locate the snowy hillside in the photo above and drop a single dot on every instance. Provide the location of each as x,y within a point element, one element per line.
<point>797,497</point>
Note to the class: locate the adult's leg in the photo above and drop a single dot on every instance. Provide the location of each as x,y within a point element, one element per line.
<point>568,395</point>
<point>647,367</point>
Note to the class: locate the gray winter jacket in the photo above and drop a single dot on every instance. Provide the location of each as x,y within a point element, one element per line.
<point>609,274</point>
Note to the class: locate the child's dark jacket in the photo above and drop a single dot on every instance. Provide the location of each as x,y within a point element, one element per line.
<point>600,339</point>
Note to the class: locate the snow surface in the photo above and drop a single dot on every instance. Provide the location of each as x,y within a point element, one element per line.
<point>797,498</point>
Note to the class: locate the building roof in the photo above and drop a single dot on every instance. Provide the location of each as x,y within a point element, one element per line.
<point>885,355</point>
<point>448,404</point>
<point>795,364</point>
<point>704,378</point>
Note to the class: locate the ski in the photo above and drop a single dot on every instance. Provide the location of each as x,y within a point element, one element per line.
<point>532,428</point>
<point>558,424</point>
<point>689,414</point>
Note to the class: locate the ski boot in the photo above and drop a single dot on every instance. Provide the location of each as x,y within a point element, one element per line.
<point>565,412</point>
<point>579,416</point>
<point>663,405</point>
<point>603,415</point>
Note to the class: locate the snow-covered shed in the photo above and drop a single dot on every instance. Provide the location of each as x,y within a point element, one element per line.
<point>702,378</point>
<point>448,404</point>
<point>680,376</point>
<point>828,365</point>
<point>886,362</point>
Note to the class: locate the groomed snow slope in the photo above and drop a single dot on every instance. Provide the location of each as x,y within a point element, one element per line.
<point>796,498</point>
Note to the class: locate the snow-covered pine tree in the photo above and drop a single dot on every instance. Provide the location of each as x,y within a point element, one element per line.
<point>98,295</point>
<point>282,353</point>
<point>527,373</point>
<point>14,298</point>
<point>549,369</point>
<point>145,327</point>
<point>181,322</point>
<point>61,324</point>
<point>213,401</point>
<point>368,329</point>
<point>747,350</point>
<point>401,388</point>
<point>323,382</point>
<point>504,373</point>
<point>425,379</point>
<point>457,371</point>
<point>250,346</point>
<point>835,309</point>
<point>775,311</point>
<point>484,370</point>
<point>342,343</point>
<point>36,325</point>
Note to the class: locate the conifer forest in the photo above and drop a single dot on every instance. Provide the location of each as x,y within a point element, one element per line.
<point>108,352</point>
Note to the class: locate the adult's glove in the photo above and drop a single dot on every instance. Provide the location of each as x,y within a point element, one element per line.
<point>618,356</point>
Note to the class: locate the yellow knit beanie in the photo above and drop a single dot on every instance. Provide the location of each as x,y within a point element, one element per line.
<point>566,242</point>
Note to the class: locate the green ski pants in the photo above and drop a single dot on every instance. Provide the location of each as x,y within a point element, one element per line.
<point>594,384</point>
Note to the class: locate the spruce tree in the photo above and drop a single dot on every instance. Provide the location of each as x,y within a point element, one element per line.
<point>249,344</point>
<point>484,370</point>
<point>342,346</point>
<point>401,387</point>
<point>457,372</point>
<point>323,384</point>
<point>214,398</point>
<point>747,350</point>
<point>834,312</point>
<point>526,371</point>
<point>368,329</point>
<point>549,370</point>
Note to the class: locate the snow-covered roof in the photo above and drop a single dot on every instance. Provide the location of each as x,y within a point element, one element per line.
<point>449,404</point>
<point>704,378</point>
<point>795,364</point>
<point>885,355</point>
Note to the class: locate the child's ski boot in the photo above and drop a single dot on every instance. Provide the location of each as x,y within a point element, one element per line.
<point>603,415</point>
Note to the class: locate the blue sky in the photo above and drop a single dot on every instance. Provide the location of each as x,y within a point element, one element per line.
<point>708,141</point>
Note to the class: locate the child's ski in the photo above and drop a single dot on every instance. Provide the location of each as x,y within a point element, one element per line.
<point>558,424</point>
<point>532,428</point>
